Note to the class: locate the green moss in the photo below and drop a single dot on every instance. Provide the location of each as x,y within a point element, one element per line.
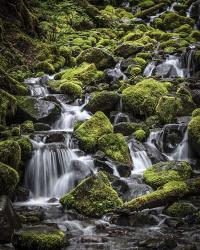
<point>128,128</point>
<point>27,127</point>
<point>180,209</point>
<point>168,108</point>
<point>142,98</point>
<point>104,101</point>
<point>9,179</point>
<point>93,197</point>
<point>10,153</point>
<point>71,89</point>
<point>194,133</point>
<point>140,61</point>
<point>7,106</point>
<point>134,70</point>
<point>115,147</point>
<point>139,135</point>
<point>66,52</point>
<point>33,240</point>
<point>99,57</point>
<point>196,112</point>
<point>15,131</point>
<point>46,67</point>
<point>170,191</point>
<point>26,148</point>
<point>172,20</point>
<point>146,4</point>
<point>150,10</point>
<point>91,130</point>
<point>161,173</point>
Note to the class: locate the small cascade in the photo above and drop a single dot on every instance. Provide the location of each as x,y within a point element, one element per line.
<point>141,161</point>
<point>37,86</point>
<point>190,63</point>
<point>120,116</point>
<point>116,73</point>
<point>70,114</point>
<point>148,71</point>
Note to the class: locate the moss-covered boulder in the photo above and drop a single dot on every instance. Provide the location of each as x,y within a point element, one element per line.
<point>93,197</point>
<point>194,133</point>
<point>104,101</point>
<point>168,108</point>
<point>142,98</point>
<point>7,106</point>
<point>128,128</point>
<point>169,193</point>
<point>163,172</point>
<point>91,130</point>
<point>139,135</point>
<point>9,179</point>
<point>39,239</point>
<point>180,209</point>
<point>37,110</point>
<point>27,127</point>
<point>71,89</point>
<point>115,147</point>
<point>26,148</point>
<point>101,58</point>
<point>10,153</point>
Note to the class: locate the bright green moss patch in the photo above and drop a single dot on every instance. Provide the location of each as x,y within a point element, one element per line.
<point>170,191</point>
<point>194,133</point>
<point>10,153</point>
<point>196,112</point>
<point>33,240</point>
<point>163,172</point>
<point>9,179</point>
<point>139,135</point>
<point>115,147</point>
<point>142,98</point>
<point>26,147</point>
<point>180,209</point>
<point>93,197</point>
<point>71,89</point>
<point>91,130</point>
<point>27,127</point>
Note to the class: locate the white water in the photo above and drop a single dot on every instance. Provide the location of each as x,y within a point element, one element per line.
<point>116,73</point>
<point>149,69</point>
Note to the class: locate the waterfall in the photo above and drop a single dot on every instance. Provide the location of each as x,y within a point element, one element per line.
<point>148,71</point>
<point>116,73</point>
<point>141,161</point>
<point>190,62</point>
<point>37,86</point>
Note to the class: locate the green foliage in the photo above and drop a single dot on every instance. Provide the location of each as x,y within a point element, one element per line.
<point>139,135</point>
<point>91,130</point>
<point>180,209</point>
<point>93,197</point>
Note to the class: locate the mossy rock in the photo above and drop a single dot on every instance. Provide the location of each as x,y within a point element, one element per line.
<point>139,135</point>
<point>9,179</point>
<point>102,59</point>
<point>7,106</point>
<point>39,240</point>
<point>194,133</point>
<point>104,101</point>
<point>41,127</point>
<point>142,98</point>
<point>10,153</point>
<point>163,172</point>
<point>27,127</point>
<point>36,110</point>
<point>168,108</point>
<point>46,67</point>
<point>115,147</point>
<point>26,148</point>
<point>128,128</point>
<point>71,89</point>
<point>169,193</point>
<point>91,130</point>
<point>93,197</point>
<point>180,209</point>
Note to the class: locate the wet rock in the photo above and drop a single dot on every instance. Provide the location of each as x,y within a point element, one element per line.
<point>135,219</point>
<point>165,242</point>
<point>55,137</point>
<point>31,215</point>
<point>9,219</point>
<point>166,71</point>
<point>52,200</point>
<point>92,239</point>
<point>196,96</point>
<point>128,128</point>
<point>41,127</point>
<point>154,154</point>
<point>22,194</point>
<point>37,110</point>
